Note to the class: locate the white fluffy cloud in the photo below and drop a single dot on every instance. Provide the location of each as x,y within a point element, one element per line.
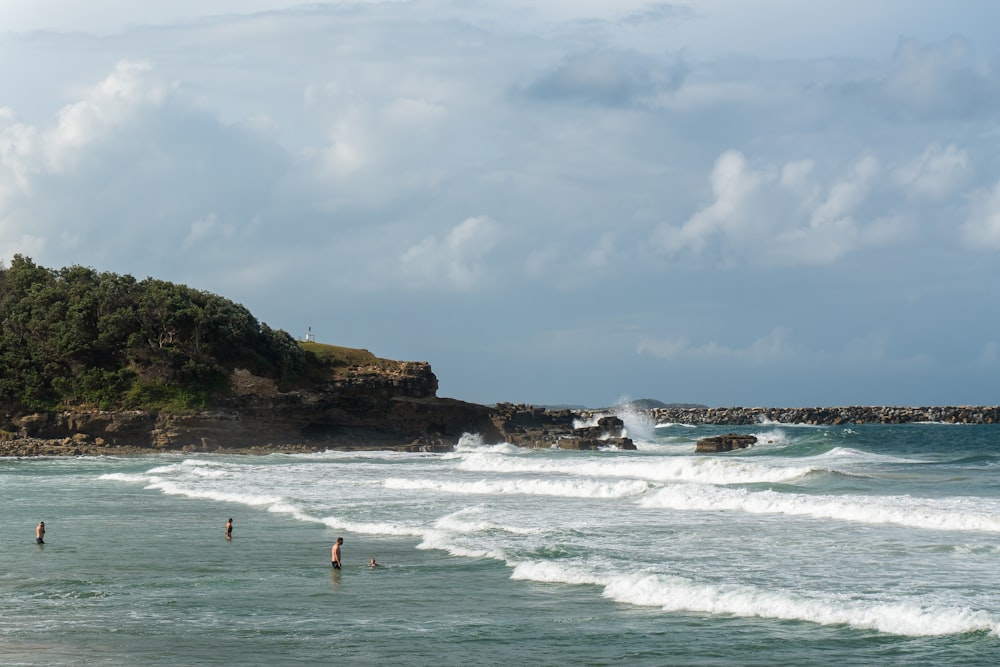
<point>456,261</point>
<point>782,216</point>
<point>108,106</point>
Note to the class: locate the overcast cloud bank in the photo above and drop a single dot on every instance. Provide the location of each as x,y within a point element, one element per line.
<point>551,204</point>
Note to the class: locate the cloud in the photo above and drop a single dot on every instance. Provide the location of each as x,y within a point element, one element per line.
<point>990,354</point>
<point>657,12</point>
<point>108,106</point>
<point>937,173</point>
<point>454,261</point>
<point>19,144</point>
<point>206,230</point>
<point>935,82</point>
<point>768,216</point>
<point>775,347</point>
<point>981,229</point>
<point>605,158</point>
<point>605,77</point>
<point>123,171</point>
<point>602,253</point>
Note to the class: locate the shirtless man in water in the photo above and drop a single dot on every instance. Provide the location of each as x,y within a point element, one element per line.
<point>335,554</point>
<point>229,529</point>
<point>40,533</point>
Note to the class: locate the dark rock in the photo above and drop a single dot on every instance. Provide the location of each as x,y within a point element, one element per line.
<point>582,444</point>
<point>528,426</point>
<point>725,443</point>
<point>365,410</point>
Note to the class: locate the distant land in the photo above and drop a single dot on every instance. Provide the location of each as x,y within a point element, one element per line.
<point>637,404</point>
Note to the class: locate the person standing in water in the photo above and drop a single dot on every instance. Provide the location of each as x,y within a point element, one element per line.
<point>335,554</point>
<point>40,533</point>
<point>229,529</point>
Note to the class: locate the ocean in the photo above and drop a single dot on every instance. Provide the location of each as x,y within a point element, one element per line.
<point>846,545</point>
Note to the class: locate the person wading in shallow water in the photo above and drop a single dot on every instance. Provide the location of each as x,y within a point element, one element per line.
<point>335,554</point>
<point>40,533</point>
<point>229,529</point>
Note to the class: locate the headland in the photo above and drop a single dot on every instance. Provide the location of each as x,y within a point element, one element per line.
<point>98,363</point>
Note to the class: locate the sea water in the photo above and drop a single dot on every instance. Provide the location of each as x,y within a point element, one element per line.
<point>857,545</point>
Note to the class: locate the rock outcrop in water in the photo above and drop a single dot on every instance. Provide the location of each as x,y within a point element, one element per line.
<point>724,443</point>
<point>529,426</point>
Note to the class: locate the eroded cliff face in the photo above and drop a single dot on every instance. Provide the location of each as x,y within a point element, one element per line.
<point>394,407</point>
<point>389,406</point>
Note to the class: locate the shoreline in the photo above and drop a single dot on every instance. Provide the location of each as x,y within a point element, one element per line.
<point>81,444</point>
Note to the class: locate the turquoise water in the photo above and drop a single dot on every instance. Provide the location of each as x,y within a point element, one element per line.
<point>840,546</point>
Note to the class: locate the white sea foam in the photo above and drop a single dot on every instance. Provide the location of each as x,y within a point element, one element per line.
<point>469,521</point>
<point>774,436</point>
<point>676,594</point>
<point>764,421</point>
<point>656,469</point>
<point>558,573</point>
<point>356,455</point>
<point>445,541</point>
<point>179,489</point>
<point>372,527</point>
<point>474,443</point>
<point>568,488</point>
<point>126,477</point>
<point>860,456</point>
<point>953,513</point>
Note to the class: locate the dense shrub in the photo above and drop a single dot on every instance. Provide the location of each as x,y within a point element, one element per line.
<point>74,336</point>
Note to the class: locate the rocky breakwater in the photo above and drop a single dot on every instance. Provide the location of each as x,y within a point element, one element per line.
<point>828,416</point>
<point>528,426</point>
<point>393,407</point>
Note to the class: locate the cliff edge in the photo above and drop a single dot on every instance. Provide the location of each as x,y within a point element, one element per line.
<point>392,408</point>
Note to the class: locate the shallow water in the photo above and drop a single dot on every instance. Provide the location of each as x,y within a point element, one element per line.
<point>840,546</point>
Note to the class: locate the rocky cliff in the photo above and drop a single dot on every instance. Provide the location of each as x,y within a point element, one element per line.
<point>391,406</point>
<point>388,408</point>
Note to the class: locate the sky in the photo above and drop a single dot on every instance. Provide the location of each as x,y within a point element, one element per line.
<point>777,203</point>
